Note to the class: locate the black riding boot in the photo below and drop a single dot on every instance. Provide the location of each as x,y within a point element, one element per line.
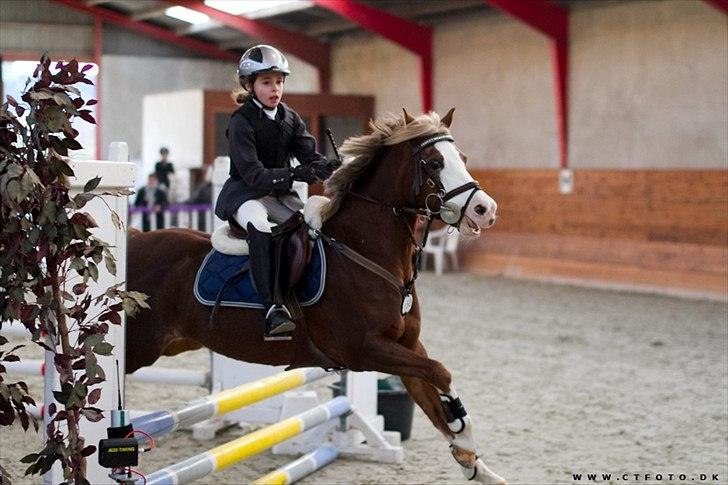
<point>278,323</point>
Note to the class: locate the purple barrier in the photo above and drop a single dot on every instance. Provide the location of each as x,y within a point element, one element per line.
<point>175,208</point>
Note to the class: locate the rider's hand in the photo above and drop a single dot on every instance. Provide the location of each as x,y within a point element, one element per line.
<point>322,170</point>
<point>304,173</point>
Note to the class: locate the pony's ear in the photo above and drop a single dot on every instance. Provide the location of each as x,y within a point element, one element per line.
<point>447,119</point>
<point>407,117</point>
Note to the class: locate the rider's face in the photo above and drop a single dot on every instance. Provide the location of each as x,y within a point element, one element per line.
<point>268,89</point>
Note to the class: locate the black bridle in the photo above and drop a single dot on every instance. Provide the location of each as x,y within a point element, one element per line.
<point>431,169</point>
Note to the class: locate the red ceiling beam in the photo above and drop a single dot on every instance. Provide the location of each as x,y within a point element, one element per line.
<point>411,36</point>
<point>543,15</point>
<point>159,33</point>
<point>304,47</point>
<point>552,21</point>
<point>721,5</point>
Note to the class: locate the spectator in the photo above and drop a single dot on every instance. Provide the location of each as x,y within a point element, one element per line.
<point>164,168</point>
<point>154,198</point>
<point>202,196</point>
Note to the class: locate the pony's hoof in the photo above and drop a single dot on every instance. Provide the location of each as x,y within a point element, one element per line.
<point>465,458</point>
<point>482,474</point>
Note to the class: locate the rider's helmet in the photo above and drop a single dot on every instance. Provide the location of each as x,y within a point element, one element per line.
<point>260,59</point>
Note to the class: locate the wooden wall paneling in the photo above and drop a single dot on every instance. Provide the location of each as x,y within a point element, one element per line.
<point>679,206</point>
<point>646,227</point>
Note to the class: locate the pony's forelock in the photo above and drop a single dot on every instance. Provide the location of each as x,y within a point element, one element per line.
<point>359,151</point>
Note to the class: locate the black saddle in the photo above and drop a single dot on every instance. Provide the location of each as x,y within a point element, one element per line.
<point>293,234</point>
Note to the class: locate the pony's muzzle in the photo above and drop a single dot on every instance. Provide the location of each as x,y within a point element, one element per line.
<point>482,210</point>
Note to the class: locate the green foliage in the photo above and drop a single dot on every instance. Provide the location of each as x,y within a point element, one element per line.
<point>48,254</point>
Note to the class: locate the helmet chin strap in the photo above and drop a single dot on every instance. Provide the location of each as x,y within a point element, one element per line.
<point>261,105</point>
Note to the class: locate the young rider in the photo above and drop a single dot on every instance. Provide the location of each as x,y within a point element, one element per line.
<point>264,134</point>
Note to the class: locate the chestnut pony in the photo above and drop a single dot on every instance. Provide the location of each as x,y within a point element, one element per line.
<point>406,168</point>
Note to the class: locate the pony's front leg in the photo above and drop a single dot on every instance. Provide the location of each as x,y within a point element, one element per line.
<point>462,443</point>
<point>449,416</point>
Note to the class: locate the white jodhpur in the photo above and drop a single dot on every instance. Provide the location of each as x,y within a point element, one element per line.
<point>222,240</point>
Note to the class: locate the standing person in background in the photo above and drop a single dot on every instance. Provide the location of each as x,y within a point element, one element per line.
<point>163,168</point>
<point>202,196</point>
<point>154,198</point>
<point>264,136</point>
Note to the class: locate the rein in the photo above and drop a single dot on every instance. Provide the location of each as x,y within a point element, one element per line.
<point>405,290</point>
<point>433,180</point>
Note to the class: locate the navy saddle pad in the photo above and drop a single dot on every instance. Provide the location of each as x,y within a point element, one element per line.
<point>218,267</point>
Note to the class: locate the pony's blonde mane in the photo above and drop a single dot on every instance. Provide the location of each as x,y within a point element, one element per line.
<point>359,151</point>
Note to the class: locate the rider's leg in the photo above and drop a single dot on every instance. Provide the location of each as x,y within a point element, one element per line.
<point>254,212</point>
<point>253,216</point>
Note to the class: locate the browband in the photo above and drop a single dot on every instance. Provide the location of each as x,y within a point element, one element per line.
<point>431,141</point>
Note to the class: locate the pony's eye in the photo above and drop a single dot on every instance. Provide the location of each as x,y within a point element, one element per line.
<point>435,164</point>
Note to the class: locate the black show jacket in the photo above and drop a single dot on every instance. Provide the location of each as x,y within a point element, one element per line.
<point>260,155</point>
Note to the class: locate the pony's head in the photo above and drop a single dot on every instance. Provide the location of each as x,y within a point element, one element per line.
<point>431,174</point>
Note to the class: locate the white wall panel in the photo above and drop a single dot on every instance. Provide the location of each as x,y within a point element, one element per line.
<point>498,75</point>
<point>649,86</point>
<point>174,120</point>
<point>366,65</point>
<point>127,79</point>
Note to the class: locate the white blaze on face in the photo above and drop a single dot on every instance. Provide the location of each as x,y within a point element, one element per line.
<point>480,212</point>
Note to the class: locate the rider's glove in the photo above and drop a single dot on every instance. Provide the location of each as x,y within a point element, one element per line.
<point>304,173</point>
<point>322,170</point>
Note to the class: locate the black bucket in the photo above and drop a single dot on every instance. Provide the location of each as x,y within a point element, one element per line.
<point>396,405</point>
<point>393,403</point>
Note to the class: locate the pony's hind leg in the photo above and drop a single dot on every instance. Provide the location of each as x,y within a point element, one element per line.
<point>448,415</point>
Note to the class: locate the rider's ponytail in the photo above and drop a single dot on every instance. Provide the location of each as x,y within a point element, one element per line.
<point>242,94</point>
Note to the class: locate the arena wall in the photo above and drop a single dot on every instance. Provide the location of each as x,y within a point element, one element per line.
<point>647,85</point>
<point>127,79</point>
<point>648,141</point>
<point>651,228</point>
<point>648,124</point>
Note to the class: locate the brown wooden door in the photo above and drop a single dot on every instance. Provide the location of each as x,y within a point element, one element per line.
<point>344,115</point>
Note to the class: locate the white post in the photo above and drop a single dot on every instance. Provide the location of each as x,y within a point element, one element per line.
<point>361,390</point>
<point>208,220</point>
<point>50,384</point>
<point>115,174</point>
<point>220,174</point>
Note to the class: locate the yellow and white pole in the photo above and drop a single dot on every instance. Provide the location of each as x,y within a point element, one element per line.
<point>249,445</point>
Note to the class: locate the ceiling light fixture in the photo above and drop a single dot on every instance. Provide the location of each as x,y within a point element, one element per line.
<point>259,8</point>
<point>186,15</point>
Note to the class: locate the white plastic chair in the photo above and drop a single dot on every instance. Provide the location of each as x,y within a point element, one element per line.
<point>439,244</point>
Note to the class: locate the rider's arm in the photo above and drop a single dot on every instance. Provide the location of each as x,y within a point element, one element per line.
<point>304,149</point>
<point>244,156</point>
